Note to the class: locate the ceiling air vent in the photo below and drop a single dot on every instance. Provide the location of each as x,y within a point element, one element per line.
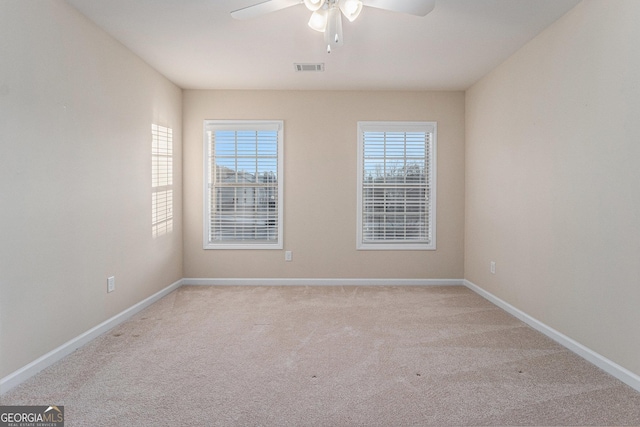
<point>309,67</point>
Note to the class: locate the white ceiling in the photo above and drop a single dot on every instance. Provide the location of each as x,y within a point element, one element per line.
<point>198,45</point>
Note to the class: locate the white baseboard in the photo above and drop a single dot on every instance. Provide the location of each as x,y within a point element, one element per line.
<point>72,345</point>
<point>322,282</point>
<point>612,368</point>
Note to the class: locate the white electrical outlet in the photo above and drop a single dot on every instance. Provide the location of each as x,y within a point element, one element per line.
<point>492,267</point>
<point>288,256</point>
<point>111,284</point>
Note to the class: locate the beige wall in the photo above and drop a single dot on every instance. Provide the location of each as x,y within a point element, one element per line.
<point>553,179</point>
<point>76,110</point>
<point>320,149</point>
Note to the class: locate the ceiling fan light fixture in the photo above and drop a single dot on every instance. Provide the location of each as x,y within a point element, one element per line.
<point>313,5</point>
<point>318,20</point>
<point>351,9</point>
<point>326,15</point>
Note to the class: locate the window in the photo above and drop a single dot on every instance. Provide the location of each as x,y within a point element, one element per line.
<point>161,180</point>
<point>396,185</point>
<point>243,184</point>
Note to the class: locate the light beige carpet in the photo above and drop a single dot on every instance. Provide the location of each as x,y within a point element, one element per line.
<point>327,356</point>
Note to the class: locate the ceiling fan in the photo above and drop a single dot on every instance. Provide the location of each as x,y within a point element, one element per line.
<point>327,14</point>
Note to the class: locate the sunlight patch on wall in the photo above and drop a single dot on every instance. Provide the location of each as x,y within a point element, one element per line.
<point>161,180</point>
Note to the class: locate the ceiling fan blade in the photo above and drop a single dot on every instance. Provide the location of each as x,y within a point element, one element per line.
<point>263,8</point>
<point>412,7</point>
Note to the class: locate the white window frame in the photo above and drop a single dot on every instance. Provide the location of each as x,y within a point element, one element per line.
<point>431,144</point>
<point>209,177</point>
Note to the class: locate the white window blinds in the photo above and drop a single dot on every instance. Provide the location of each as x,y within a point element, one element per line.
<point>243,194</point>
<point>396,185</point>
